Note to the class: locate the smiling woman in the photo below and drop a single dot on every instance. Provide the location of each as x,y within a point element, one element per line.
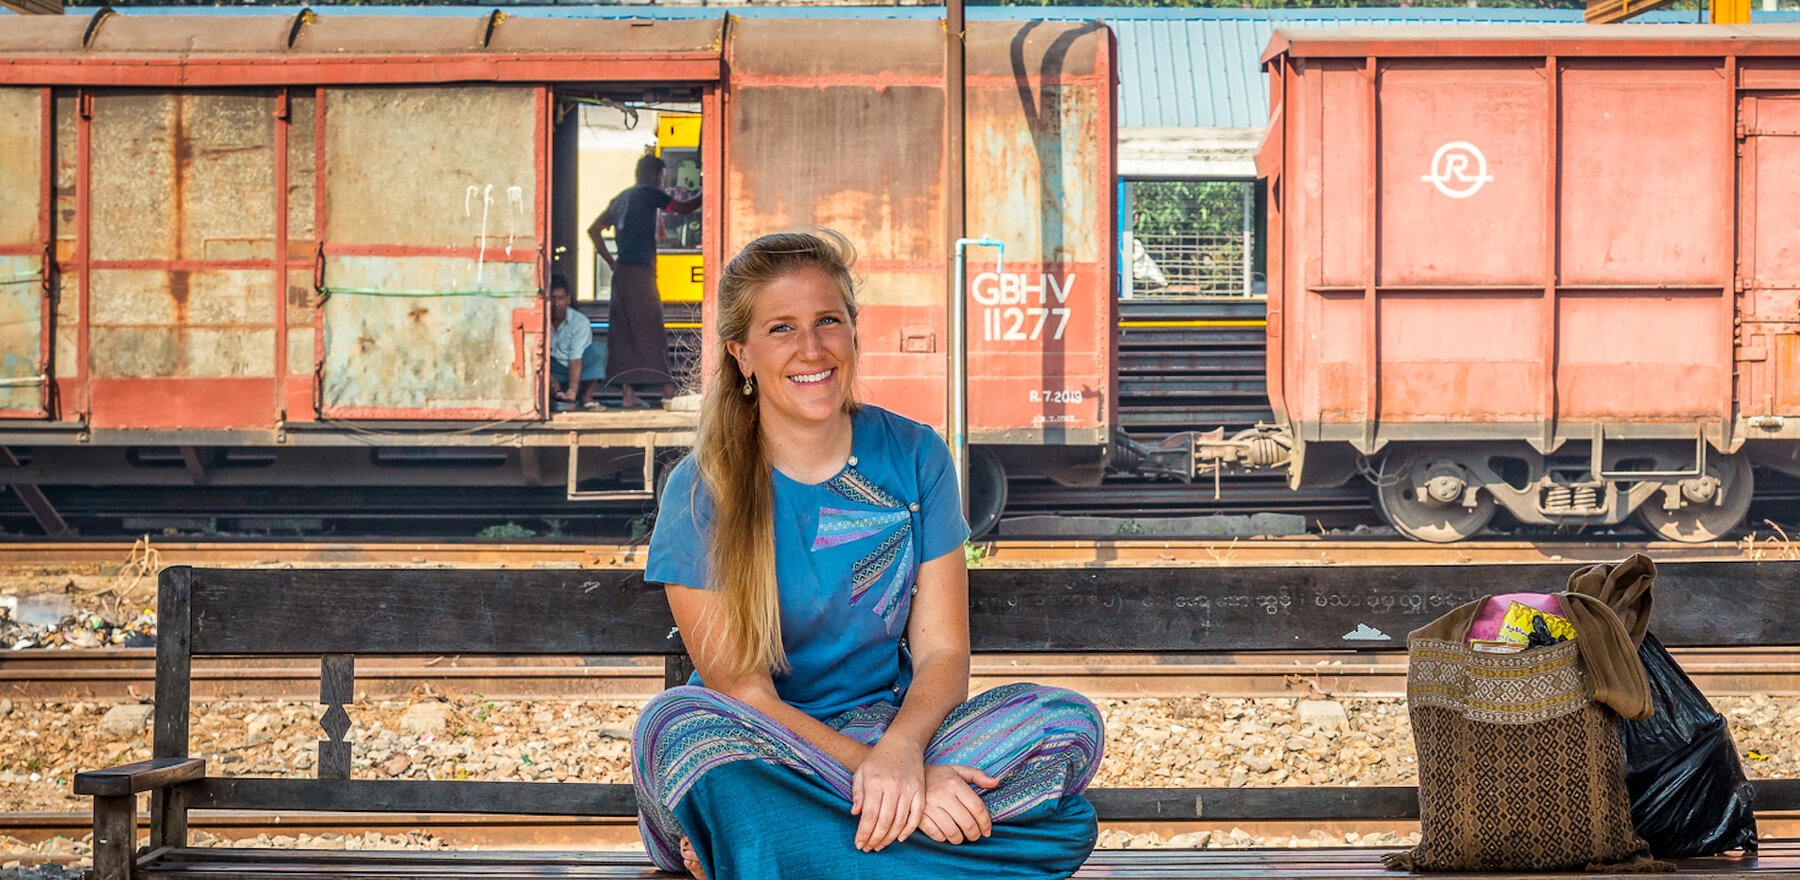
<point>811,550</point>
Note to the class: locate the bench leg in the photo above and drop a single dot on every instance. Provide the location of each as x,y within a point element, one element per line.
<point>168,818</point>
<point>115,837</point>
<point>676,669</point>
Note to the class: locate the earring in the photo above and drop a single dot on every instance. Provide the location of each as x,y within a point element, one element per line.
<point>749,389</point>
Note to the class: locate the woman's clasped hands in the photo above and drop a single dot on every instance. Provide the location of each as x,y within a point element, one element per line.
<point>896,793</point>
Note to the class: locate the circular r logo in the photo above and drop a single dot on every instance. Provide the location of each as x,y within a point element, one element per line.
<point>1451,172</point>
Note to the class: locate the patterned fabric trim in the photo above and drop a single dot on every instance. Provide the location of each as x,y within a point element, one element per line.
<point>1041,743</point>
<point>1523,688</point>
<point>890,565</point>
<point>838,526</point>
<point>853,486</point>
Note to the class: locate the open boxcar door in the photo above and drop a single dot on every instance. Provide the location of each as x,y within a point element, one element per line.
<point>24,251</point>
<point>431,228</point>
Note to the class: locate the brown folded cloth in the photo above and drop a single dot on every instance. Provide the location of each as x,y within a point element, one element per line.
<point>1609,606</point>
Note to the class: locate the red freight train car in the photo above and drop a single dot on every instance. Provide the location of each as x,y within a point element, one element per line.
<point>1546,269</point>
<point>306,235</point>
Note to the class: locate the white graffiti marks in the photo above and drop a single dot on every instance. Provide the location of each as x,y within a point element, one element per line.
<point>1020,308</point>
<point>515,200</point>
<point>1458,170</point>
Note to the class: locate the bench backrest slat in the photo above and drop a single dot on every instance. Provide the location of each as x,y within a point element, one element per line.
<point>1152,610</point>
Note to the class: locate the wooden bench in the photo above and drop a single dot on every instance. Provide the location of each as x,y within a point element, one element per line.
<point>336,615</point>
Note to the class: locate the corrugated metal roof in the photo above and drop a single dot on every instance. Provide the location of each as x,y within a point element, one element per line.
<point>1178,68</point>
<point>1199,68</point>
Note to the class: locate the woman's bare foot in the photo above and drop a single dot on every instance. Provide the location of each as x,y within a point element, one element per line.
<point>692,860</point>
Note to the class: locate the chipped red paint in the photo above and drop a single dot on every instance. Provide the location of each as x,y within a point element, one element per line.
<point>490,254</point>
<point>180,403</point>
<point>195,72</point>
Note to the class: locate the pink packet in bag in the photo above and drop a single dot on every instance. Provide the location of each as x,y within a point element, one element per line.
<point>1487,624</point>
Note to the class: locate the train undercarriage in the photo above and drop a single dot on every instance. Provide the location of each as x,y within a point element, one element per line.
<point>1675,490</point>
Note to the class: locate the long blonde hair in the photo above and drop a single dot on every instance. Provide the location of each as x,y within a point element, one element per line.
<point>728,446</point>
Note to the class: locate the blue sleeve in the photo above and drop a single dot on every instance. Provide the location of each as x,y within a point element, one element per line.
<point>678,543</point>
<point>942,527</point>
<point>662,199</point>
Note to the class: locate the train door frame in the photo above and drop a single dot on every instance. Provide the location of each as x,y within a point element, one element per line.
<point>565,222</point>
<point>523,319</point>
<point>16,258</point>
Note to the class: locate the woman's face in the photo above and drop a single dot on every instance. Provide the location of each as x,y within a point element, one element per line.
<point>801,349</point>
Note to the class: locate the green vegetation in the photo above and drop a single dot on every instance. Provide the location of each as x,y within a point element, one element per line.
<point>1169,207</point>
<point>508,529</point>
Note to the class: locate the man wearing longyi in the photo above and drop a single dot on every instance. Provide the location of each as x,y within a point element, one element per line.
<point>812,551</point>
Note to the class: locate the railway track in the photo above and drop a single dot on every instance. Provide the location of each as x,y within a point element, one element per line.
<point>113,674</point>
<point>100,555</point>
<point>463,830</point>
<point>129,674</point>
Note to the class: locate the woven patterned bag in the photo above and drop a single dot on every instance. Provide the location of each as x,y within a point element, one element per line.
<point>1520,768</point>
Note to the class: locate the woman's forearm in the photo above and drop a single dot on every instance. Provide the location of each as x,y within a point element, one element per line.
<point>939,685</point>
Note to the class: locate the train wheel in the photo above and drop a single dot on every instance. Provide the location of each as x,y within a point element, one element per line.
<point>1428,505</point>
<point>987,491</point>
<point>1699,519</point>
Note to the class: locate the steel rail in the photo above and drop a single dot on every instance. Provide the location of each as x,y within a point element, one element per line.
<point>1007,553</point>
<point>128,674</point>
<point>587,833</point>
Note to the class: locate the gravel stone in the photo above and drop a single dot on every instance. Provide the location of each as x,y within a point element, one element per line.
<point>126,719</point>
<point>433,717</point>
<point>1324,713</point>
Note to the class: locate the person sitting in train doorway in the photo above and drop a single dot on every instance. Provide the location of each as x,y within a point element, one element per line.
<point>811,549</point>
<point>573,351</point>
<point>637,345</point>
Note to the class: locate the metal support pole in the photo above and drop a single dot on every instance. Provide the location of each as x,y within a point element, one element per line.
<point>1249,236</point>
<point>958,417</point>
<point>1127,242</point>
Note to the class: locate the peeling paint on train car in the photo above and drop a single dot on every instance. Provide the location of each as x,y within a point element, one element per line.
<point>431,245</point>
<point>819,132</point>
<point>21,333</point>
<point>24,248</point>
<point>452,346</point>
<point>1039,153</point>
<point>180,304</point>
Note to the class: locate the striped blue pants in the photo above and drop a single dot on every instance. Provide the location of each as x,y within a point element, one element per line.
<point>756,800</point>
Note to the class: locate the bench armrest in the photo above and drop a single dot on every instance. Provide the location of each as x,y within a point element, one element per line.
<point>129,779</point>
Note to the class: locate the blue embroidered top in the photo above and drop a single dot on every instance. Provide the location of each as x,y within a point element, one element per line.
<point>847,552</point>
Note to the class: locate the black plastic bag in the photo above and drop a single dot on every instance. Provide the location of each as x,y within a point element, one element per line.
<point>1689,796</point>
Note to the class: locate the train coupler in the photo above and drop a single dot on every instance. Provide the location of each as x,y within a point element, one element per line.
<point>1171,458</point>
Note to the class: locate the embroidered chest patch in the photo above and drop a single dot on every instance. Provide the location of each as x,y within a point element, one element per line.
<point>869,516</point>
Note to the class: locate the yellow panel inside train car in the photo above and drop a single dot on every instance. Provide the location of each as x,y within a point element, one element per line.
<point>679,274</point>
<point>680,277</point>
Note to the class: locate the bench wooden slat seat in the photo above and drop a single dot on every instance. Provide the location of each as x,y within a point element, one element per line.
<point>1325,863</point>
<point>335,615</point>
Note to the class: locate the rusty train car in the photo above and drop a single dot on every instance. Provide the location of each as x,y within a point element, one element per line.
<point>311,249</point>
<point>1550,270</point>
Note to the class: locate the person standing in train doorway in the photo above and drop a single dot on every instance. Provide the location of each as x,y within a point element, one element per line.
<point>637,347</point>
